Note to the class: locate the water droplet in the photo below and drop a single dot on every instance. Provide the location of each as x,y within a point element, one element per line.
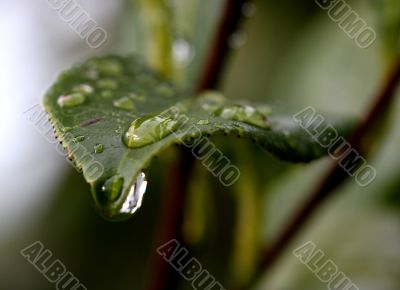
<point>108,84</point>
<point>83,89</point>
<point>212,100</point>
<point>202,122</point>
<point>245,114</point>
<point>135,196</point>
<point>149,129</point>
<point>119,130</point>
<point>112,188</point>
<point>66,129</point>
<point>137,97</point>
<point>71,100</point>
<point>249,9</point>
<point>92,74</point>
<point>98,148</point>
<point>108,66</point>
<point>79,138</point>
<point>220,126</point>
<point>237,39</point>
<point>182,52</point>
<point>124,103</point>
<point>106,94</point>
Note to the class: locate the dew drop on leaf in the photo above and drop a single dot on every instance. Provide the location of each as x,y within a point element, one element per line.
<point>106,94</point>
<point>98,148</point>
<point>66,129</point>
<point>79,138</point>
<point>92,74</point>
<point>149,129</point>
<point>212,100</point>
<point>108,84</point>
<point>124,103</point>
<point>134,199</point>
<point>245,114</point>
<point>107,66</point>
<point>137,97</point>
<point>203,122</point>
<point>71,100</point>
<point>83,89</point>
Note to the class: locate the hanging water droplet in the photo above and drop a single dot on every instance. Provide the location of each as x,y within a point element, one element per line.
<point>79,138</point>
<point>98,148</point>
<point>183,52</point>
<point>135,196</point>
<point>71,100</point>
<point>111,189</point>
<point>237,39</point>
<point>245,114</point>
<point>249,9</point>
<point>149,129</point>
<point>124,103</point>
<point>83,89</point>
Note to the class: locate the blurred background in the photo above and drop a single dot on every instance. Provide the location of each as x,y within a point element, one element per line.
<point>286,53</point>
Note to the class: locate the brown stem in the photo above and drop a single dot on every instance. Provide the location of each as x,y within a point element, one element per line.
<point>334,177</point>
<point>161,275</point>
<point>218,54</point>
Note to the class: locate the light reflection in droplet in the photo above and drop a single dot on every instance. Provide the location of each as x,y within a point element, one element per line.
<point>135,196</point>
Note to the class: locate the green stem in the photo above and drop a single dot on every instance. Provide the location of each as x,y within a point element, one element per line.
<point>157,35</point>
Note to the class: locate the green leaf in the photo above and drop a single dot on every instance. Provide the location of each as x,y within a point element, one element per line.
<point>113,115</point>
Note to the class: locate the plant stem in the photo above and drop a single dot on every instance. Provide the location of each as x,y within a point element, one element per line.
<point>217,57</point>
<point>334,177</point>
<point>161,275</point>
<point>157,32</point>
